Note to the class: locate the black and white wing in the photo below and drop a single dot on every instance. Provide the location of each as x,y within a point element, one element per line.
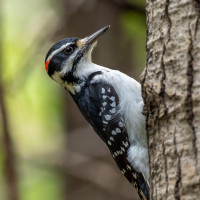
<point>99,104</point>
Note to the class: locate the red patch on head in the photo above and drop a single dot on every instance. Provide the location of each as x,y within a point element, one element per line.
<point>47,64</point>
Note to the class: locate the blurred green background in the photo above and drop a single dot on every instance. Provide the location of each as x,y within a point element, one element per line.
<point>47,150</point>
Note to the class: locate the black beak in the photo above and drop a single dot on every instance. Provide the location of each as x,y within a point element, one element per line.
<point>92,38</point>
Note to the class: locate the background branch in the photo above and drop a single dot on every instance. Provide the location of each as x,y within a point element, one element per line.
<point>9,164</point>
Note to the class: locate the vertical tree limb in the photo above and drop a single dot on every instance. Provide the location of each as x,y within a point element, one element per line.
<point>9,161</point>
<point>171,91</point>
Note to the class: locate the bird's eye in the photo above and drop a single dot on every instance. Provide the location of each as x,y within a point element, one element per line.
<point>68,50</point>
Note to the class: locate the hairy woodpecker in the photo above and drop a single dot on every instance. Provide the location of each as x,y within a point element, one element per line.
<point>109,100</point>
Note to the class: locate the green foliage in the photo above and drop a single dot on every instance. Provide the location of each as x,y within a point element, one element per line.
<point>33,101</point>
<point>39,183</point>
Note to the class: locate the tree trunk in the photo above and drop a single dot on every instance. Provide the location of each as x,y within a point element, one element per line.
<point>171,91</point>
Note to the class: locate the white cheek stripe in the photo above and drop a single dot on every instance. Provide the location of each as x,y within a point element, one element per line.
<point>58,50</point>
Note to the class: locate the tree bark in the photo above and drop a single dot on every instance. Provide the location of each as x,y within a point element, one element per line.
<point>171,92</point>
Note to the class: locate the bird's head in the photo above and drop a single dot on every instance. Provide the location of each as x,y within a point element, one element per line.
<point>66,55</point>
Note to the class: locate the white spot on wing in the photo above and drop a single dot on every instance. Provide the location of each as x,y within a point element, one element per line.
<point>102,90</point>
<point>111,138</point>
<point>112,98</point>
<point>108,117</point>
<point>109,142</point>
<point>125,144</point>
<point>104,96</point>
<point>123,171</point>
<point>104,103</point>
<point>122,148</point>
<point>118,130</point>
<point>113,110</point>
<point>113,104</point>
<point>134,175</point>
<point>114,132</point>
<point>120,124</point>
<point>128,167</point>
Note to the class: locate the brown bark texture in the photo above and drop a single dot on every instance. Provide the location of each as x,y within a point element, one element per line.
<point>171,92</point>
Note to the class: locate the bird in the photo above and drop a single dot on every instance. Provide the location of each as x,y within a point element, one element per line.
<point>109,100</point>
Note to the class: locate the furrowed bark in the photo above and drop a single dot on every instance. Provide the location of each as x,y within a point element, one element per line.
<point>171,92</point>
